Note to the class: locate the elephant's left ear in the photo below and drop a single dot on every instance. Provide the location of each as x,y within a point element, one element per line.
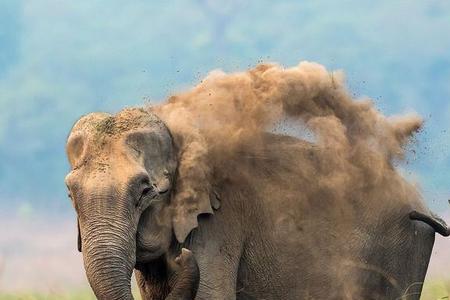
<point>187,206</point>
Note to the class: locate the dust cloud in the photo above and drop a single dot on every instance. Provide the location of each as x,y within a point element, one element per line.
<point>214,119</point>
<point>343,176</point>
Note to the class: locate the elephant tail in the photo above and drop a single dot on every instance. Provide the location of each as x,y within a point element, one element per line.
<point>431,219</point>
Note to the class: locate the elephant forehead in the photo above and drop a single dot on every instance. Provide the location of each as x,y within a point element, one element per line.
<point>98,153</point>
<point>128,120</point>
<point>101,169</point>
<point>104,124</point>
<point>87,123</point>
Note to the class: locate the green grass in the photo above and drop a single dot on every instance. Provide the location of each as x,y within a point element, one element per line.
<point>435,290</point>
<point>67,295</point>
<point>73,295</point>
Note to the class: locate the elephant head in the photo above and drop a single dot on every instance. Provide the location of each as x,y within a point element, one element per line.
<point>123,170</point>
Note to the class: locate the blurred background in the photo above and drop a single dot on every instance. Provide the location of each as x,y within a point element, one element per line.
<point>61,59</point>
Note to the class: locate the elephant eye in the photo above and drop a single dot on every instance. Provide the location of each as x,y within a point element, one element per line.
<point>145,192</point>
<point>138,152</point>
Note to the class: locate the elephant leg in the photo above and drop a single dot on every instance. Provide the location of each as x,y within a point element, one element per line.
<point>152,280</point>
<point>218,275</point>
<point>170,280</point>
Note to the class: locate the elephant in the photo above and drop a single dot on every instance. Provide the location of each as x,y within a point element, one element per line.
<point>256,236</point>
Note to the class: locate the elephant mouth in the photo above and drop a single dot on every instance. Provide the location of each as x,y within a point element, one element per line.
<point>145,256</point>
<point>148,249</point>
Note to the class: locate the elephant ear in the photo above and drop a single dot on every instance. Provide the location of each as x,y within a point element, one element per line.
<point>79,246</point>
<point>187,208</point>
<point>193,193</point>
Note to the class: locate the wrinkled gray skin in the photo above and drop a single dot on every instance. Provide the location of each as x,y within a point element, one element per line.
<point>122,181</point>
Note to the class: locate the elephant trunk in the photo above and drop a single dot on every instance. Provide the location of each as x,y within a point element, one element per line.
<point>109,254</point>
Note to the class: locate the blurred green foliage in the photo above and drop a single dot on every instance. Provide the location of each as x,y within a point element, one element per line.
<point>68,295</point>
<point>75,295</point>
<point>434,290</point>
<point>62,59</point>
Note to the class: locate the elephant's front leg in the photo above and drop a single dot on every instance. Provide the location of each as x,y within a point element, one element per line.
<point>218,275</point>
<point>170,280</point>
